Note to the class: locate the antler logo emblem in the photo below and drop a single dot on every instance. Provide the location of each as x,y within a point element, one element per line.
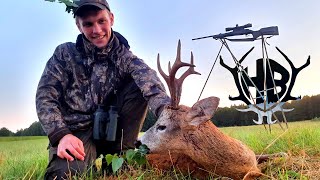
<point>268,100</point>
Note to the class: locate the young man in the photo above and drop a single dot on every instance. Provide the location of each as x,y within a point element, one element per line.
<point>97,70</point>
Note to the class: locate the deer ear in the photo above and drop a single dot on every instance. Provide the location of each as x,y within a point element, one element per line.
<point>202,111</point>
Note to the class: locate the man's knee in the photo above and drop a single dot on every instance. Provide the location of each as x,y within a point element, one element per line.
<point>62,169</point>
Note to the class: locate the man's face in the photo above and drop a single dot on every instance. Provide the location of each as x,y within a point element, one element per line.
<point>96,26</point>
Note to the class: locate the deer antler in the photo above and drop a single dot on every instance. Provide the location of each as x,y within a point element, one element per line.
<point>175,85</point>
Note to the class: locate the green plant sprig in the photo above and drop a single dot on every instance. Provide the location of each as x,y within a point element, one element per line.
<point>131,156</point>
<point>70,5</point>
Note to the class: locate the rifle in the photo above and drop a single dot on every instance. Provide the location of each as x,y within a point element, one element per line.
<point>243,30</point>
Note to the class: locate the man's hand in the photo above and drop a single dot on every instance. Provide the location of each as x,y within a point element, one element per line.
<point>72,144</point>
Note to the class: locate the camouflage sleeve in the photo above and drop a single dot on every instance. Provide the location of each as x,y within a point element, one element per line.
<point>150,85</point>
<point>48,96</point>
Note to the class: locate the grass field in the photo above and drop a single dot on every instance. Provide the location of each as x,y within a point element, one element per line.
<point>27,157</point>
<point>23,157</point>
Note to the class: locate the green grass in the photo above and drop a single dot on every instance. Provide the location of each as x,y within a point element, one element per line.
<point>303,135</point>
<point>27,157</point>
<point>23,157</point>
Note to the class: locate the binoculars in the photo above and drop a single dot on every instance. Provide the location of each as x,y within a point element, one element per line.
<point>105,123</point>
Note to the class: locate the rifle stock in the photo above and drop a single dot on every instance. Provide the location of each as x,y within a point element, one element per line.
<point>273,30</point>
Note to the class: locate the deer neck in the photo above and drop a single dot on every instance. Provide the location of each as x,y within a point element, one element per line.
<point>209,146</point>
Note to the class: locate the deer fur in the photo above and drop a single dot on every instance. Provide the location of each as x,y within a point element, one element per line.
<point>189,132</point>
<point>180,162</point>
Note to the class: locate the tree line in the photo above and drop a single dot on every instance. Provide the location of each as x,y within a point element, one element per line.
<point>34,129</point>
<point>305,109</point>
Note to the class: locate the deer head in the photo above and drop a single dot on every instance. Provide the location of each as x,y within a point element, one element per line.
<point>172,126</point>
<point>189,131</point>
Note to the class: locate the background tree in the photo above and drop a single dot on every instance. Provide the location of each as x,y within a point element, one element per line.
<point>5,132</point>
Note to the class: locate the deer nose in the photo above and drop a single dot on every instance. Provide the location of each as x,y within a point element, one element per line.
<point>137,143</point>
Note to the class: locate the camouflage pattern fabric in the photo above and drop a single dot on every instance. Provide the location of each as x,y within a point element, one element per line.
<point>80,76</point>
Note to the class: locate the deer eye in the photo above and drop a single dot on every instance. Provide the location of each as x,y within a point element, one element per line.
<point>161,128</point>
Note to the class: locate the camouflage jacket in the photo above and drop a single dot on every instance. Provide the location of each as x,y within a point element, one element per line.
<point>79,76</point>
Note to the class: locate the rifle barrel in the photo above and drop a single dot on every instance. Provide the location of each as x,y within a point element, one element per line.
<point>203,37</point>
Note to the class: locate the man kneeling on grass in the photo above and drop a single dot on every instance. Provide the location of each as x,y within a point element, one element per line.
<point>84,81</point>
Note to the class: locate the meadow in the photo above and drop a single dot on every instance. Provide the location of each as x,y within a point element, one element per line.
<point>27,157</point>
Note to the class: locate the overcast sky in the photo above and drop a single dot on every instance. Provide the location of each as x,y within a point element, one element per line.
<point>31,29</point>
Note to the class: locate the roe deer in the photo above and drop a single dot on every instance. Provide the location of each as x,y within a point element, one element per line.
<point>188,131</point>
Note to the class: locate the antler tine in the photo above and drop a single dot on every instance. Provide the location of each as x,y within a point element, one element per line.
<point>177,64</point>
<point>189,71</point>
<point>165,77</point>
<point>178,58</point>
